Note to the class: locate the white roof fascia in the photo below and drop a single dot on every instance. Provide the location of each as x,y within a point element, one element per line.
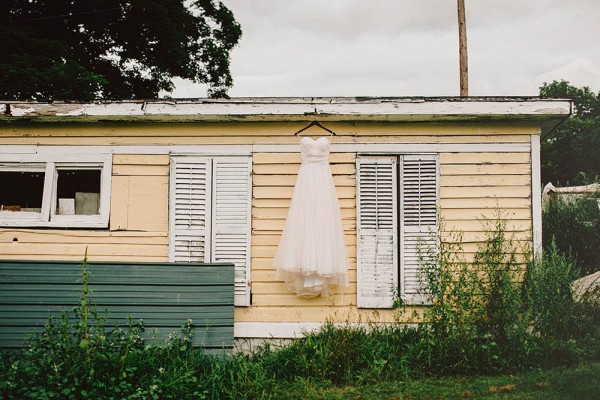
<point>549,111</point>
<point>288,107</point>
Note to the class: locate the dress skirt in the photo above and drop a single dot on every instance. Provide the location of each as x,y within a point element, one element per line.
<point>311,257</point>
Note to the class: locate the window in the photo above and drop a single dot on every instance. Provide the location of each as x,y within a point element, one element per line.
<point>210,200</point>
<point>397,217</point>
<point>56,193</point>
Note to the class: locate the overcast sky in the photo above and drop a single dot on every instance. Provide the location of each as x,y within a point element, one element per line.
<point>409,47</point>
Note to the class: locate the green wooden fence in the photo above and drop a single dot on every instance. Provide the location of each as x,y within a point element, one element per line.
<point>163,295</point>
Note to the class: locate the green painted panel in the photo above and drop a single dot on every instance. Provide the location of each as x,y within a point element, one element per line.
<point>163,295</point>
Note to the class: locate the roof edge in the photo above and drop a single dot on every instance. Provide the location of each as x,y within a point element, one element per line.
<point>389,109</point>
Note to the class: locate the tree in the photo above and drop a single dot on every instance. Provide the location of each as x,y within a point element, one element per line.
<point>570,154</point>
<point>113,49</point>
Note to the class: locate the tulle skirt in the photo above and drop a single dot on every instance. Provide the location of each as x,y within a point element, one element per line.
<point>311,257</point>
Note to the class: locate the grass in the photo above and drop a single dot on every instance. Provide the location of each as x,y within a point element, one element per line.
<point>580,382</point>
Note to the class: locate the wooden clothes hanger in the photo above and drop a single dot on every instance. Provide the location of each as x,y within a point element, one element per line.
<point>317,124</point>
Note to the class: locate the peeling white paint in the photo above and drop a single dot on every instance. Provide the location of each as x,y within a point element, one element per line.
<point>17,111</point>
<point>549,111</point>
<point>301,106</point>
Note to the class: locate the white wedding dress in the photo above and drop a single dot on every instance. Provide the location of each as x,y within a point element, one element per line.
<point>311,257</point>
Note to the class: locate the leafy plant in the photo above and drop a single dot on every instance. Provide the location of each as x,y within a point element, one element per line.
<point>573,227</point>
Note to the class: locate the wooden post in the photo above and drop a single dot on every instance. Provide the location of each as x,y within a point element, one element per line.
<point>462,46</point>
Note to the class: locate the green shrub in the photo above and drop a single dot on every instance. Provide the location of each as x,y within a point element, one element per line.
<point>482,318</point>
<point>574,227</point>
<point>475,317</point>
<point>78,356</point>
<point>549,294</point>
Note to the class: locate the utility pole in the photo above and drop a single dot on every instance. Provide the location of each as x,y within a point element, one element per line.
<point>462,49</point>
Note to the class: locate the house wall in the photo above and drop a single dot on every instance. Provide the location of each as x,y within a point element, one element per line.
<point>483,167</point>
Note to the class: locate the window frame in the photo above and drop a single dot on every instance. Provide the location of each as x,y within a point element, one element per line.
<point>50,164</point>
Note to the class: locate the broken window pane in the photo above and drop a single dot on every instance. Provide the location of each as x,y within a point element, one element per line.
<point>21,191</point>
<point>78,192</point>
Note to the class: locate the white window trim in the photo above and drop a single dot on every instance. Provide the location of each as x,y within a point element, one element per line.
<point>47,217</point>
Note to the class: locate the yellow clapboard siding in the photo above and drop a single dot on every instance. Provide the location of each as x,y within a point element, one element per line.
<point>119,202</point>
<point>479,236</point>
<point>474,225</point>
<point>77,249</point>
<point>91,258</point>
<point>290,180</point>
<point>295,158</point>
<point>141,159</point>
<point>448,191</point>
<point>140,203</point>
<point>433,139</point>
<point>313,313</point>
<point>472,184</point>
<point>80,237</point>
<point>485,180</point>
<point>142,131</point>
<point>285,192</point>
<point>292,300</point>
<point>472,247</point>
<point>485,158</point>
<point>485,202</point>
<point>488,169</point>
<point>283,169</point>
<point>433,129</point>
<point>171,139</point>
<point>127,170</point>
<point>489,213</point>
<point>148,203</point>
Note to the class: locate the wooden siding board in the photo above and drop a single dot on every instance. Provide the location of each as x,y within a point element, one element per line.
<point>467,151</point>
<point>31,236</point>
<point>485,158</point>
<point>141,159</point>
<point>163,295</point>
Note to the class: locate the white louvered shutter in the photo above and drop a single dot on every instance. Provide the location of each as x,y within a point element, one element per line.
<point>377,218</point>
<point>231,220</point>
<point>419,211</point>
<point>189,219</point>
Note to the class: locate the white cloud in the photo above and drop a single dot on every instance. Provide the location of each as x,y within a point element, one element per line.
<point>580,72</point>
<point>409,47</point>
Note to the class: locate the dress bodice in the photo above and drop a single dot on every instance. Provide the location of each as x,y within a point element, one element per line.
<point>315,151</point>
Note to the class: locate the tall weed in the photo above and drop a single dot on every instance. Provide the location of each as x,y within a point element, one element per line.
<point>573,227</point>
<point>475,314</point>
<point>482,317</point>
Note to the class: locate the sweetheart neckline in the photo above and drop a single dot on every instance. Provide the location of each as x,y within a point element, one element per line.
<point>315,141</point>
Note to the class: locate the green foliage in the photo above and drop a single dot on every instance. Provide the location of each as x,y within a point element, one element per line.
<point>475,317</point>
<point>566,328</point>
<point>549,293</point>
<point>570,153</point>
<point>574,228</point>
<point>482,319</point>
<point>78,356</point>
<point>113,49</point>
